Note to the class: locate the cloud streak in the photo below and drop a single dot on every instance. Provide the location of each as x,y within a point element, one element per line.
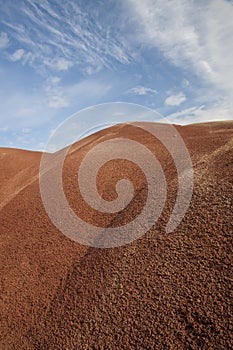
<point>59,57</point>
<point>142,90</point>
<point>192,35</point>
<point>4,40</point>
<point>17,55</point>
<point>199,114</point>
<point>175,100</point>
<point>63,35</point>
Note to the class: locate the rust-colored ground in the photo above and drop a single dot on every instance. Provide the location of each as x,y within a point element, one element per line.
<point>163,291</point>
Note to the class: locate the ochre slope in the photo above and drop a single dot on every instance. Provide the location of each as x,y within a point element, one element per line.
<point>163,291</point>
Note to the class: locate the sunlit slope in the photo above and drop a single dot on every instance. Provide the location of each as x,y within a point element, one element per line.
<point>162,291</point>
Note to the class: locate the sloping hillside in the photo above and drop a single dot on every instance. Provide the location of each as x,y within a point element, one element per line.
<point>163,291</point>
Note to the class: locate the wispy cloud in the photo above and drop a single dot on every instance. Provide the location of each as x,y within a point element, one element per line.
<point>55,96</point>
<point>59,57</point>
<point>142,90</point>
<point>166,25</point>
<point>54,100</point>
<point>59,96</point>
<point>4,129</point>
<point>199,114</point>
<point>63,34</point>
<point>59,64</point>
<point>175,100</point>
<point>4,40</point>
<point>26,130</point>
<point>17,55</point>
<point>191,35</point>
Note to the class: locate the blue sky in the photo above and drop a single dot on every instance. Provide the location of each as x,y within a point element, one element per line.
<point>59,57</point>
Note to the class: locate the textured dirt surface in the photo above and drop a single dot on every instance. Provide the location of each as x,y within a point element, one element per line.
<point>163,291</point>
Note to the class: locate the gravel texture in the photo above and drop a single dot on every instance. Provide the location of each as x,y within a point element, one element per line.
<point>163,291</point>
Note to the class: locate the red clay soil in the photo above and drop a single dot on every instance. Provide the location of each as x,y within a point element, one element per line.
<point>163,291</point>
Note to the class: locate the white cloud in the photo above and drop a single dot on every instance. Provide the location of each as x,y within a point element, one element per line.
<point>20,111</point>
<point>167,26</point>
<point>92,70</point>
<point>26,130</point>
<point>218,44</point>
<point>65,34</point>
<point>175,100</point>
<point>60,64</point>
<point>4,129</point>
<point>193,35</point>
<point>4,40</point>
<point>17,55</point>
<point>142,90</point>
<point>55,80</point>
<point>185,83</point>
<point>46,102</point>
<point>57,101</point>
<point>24,140</point>
<point>55,94</point>
<point>88,91</point>
<point>199,114</point>
<point>41,146</point>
